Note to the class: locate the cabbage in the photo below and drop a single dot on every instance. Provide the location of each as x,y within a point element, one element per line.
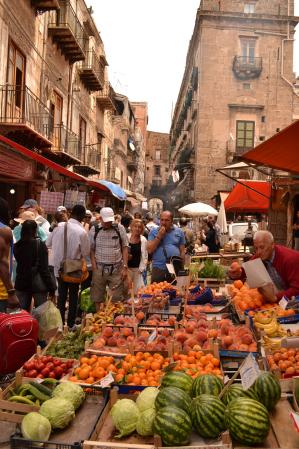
<point>70,391</point>
<point>146,399</point>
<point>59,412</point>
<point>35,427</point>
<point>125,415</point>
<point>144,425</point>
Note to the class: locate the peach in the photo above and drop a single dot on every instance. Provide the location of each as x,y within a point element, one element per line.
<point>107,332</point>
<point>112,341</point>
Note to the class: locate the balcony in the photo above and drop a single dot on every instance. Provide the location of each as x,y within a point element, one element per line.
<point>132,162</point>
<point>247,67</point>
<point>105,98</point>
<point>91,164</point>
<point>65,145</point>
<point>23,117</point>
<point>67,32</point>
<point>92,72</point>
<point>44,5</point>
<point>157,190</point>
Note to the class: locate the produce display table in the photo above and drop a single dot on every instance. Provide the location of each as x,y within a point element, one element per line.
<point>228,256</point>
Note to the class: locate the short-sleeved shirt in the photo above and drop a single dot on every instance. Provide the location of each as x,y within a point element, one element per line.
<point>172,242</point>
<point>108,247</point>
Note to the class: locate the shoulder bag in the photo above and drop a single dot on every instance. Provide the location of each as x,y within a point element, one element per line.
<point>38,285</point>
<point>73,271</point>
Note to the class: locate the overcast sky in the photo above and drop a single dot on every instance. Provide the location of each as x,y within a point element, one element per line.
<point>146,43</point>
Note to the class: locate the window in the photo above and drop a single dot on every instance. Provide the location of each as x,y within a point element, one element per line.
<point>248,50</point>
<point>158,155</point>
<point>246,86</point>
<point>263,119</point>
<point>15,78</point>
<point>157,170</point>
<point>245,136</point>
<point>56,104</point>
<point>249,8</point>
<point>157,182</point>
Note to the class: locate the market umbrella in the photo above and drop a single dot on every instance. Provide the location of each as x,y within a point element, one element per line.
<point>198,210</point>
<point>221,219</point>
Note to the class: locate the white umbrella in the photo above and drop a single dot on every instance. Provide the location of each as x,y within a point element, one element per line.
<point>198,210</point>
<point>221,219</point>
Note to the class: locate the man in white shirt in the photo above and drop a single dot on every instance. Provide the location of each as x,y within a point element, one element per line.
<point>77,248</point>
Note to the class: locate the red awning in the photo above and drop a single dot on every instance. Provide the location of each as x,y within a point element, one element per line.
<point>281,151</point>
<point>243,199</point>
<point>44,161</point>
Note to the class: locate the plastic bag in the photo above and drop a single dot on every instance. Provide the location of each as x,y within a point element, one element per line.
<point>49,320</point>
<point>86,303</point>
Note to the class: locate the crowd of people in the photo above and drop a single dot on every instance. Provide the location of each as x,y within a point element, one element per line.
<point>107,252</point>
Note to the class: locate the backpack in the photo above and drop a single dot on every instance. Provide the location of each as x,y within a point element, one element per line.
<point>98,228</point>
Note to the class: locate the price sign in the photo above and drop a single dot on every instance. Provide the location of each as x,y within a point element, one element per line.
<point>226,379</point>
<point>107,380</point>
<point>283,303</point>
<point>170,268</point>
<point>249,372</point>
<point>152,337</point>
<point>295,418</point>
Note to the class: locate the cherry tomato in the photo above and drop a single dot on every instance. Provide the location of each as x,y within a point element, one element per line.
<point>45,372</point>
<point>52,375</point>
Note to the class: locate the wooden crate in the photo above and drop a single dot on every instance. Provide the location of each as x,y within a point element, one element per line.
<point>211,282</point>
<point>106,430</point>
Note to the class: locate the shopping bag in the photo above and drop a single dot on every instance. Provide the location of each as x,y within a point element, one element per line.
<point>49,320</point>
<point>86,303</point>
<point>49,201</point>
<point>71,198</point>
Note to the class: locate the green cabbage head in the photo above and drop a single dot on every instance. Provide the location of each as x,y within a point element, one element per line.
<point>60,412</point>
<point>125,415</point>
<point>70,391</point>
<point>144,425</point>
<point>146,399</point>
<point>36,427</point>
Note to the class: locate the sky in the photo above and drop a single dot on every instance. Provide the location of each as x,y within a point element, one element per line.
<point>146,43</point>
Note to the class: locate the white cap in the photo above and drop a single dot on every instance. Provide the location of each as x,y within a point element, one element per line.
<point>61,209</point>
<point>107,214</point>
<point>88,212</point>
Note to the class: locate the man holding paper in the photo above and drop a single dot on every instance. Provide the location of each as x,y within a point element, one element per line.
<point>282,265</point>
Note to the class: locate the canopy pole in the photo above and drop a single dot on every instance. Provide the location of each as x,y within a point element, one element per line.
<point>242,183</point>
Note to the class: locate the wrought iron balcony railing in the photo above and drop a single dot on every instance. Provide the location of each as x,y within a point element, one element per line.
<point>93,155</point>
<point>247,67</point>
<point>105,97</point>
<point>67,31</point>
<point>21,108</point>
<point>65,141</point>
<point>92,72</point>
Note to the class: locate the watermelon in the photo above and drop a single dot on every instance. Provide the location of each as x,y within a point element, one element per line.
<point>206,384</point>
<point>208,416</point>
<point>177,379</point>
<point>247,420</point>
<point>235,391</point>
<point>173,425</point>
<point>267,388</point>
<point>173,396</point>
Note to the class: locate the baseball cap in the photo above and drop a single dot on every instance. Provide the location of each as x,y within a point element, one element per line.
<point>29,203</point>
<point>107,214</point>
<point>61,209</point>
<point>88,212</point>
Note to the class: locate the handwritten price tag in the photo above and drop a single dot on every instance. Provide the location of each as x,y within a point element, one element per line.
<point>152,337</point>
<point>107,380</point>
<point>283,303</point>
<point>295,418</point>
<point>249,372</point>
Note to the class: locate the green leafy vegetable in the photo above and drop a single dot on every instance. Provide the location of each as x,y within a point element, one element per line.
<point>125,415</point>
<point>36,427</point>
<point>59,412</point>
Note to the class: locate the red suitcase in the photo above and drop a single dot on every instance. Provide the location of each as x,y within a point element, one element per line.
<point>18,340</point>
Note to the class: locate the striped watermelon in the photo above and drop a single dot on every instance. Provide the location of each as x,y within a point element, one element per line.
<point>206,384</point>
<point>247,420</point>
<point>177,379</point>
<point>208,416</point>
<point>173,425</point>
<point>235,391</point>
<point>172,396</point>
<point>267,389</point>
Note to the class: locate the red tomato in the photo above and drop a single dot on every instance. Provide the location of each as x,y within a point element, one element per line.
<point>50,365</point>
<point>57,362</point>
<point>40,376</point>
<point>58,371</point>
<point>44,359</point>
<point>29,365</point>
<point>69,363</point>
<point>52,375</point>
<point>45,372</point>
<point>64,366</point>
<point>32,373</point>
<point>40,366</point>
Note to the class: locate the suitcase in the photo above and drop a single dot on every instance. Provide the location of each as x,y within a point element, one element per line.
<point>18,340</point>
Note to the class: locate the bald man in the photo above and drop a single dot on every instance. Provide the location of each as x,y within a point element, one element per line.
<point>282,264</point>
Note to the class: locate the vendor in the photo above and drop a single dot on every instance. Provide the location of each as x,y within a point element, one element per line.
<point>282,264</point>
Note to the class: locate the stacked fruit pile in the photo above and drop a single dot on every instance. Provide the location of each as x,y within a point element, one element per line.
<point>286,361</point>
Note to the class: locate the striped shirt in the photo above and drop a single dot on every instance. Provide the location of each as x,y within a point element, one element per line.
<point>108,248</point>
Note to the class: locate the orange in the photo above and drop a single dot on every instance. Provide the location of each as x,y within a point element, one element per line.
<point>84,373</point>
<point>238,283</point>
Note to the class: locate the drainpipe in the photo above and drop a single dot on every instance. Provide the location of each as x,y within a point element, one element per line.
<point>69,113</point>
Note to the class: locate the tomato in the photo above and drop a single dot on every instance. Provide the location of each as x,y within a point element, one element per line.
<point>44,359</point>
<point>40,366</point>
<point>69,363</point>
<point>40,376</point>
<point>58,371</point>
<point>52,375</point>
<point>32,373</point>
<point>29,365</point>
<point>57,362</point>
<point>45,372</point>
<point>50,365</point>
<point>49,358</point>
<point>64,367</point>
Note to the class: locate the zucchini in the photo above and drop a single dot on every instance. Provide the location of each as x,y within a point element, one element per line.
<point>41,388</point>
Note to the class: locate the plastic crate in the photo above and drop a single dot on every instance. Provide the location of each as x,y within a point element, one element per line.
<point>17,442</point>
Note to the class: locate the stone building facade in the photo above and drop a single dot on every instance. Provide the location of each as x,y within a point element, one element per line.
<point>238,89</point>
<point>157,169</point>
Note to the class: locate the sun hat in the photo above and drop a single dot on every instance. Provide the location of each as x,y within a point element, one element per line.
<point>26,215</point>
<point>107,214</point>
